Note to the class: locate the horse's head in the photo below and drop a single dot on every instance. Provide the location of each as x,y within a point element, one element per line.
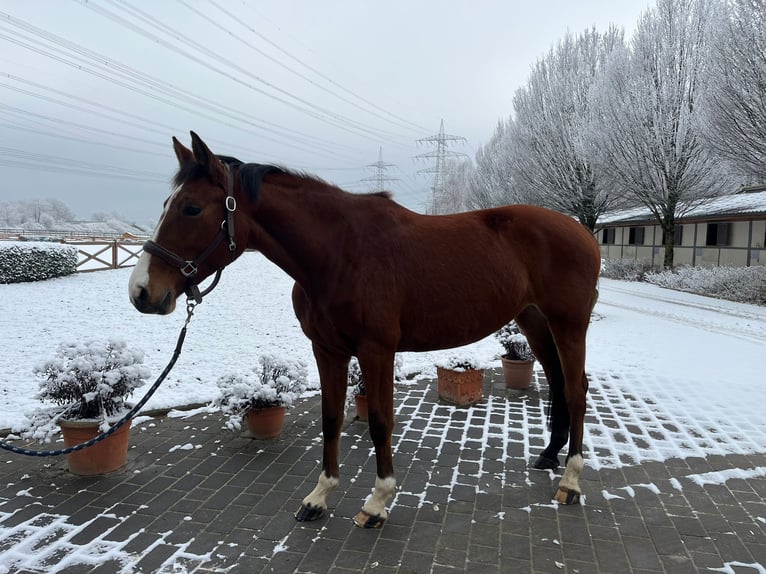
<point>196,235</point>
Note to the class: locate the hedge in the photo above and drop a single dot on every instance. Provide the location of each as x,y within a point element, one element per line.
<point>35,261</point>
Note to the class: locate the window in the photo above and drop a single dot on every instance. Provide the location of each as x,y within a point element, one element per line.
<point>636,236</point>
<point>678,235</point>
<point>717,234</point>
<point>608,236</point>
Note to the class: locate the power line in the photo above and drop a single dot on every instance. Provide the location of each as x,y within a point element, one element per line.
<point>305,106</point>
<point>111,68</point>
<point>42,162</point>
<point>403,122</point>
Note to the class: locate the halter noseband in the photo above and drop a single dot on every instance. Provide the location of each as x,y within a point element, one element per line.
<point>189,268</point>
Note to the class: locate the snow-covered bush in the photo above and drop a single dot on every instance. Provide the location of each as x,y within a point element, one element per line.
<point>625,269</point>
<point>273,382</point>
<point>741,284</point>
<point>461,363</point>
<point>86,380</point>
<point>355,377</point>
<point>514,343</point>
<point>20,261</point>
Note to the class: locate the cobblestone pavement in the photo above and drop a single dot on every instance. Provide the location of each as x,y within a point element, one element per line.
<point>195,497</point>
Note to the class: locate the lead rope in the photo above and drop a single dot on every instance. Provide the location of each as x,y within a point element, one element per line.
<point>190,305</point>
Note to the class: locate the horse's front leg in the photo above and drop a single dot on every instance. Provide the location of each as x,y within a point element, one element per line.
<point>333,375</point>
<point>378,374</point>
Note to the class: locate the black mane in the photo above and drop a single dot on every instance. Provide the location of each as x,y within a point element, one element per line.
<point>250,175</point>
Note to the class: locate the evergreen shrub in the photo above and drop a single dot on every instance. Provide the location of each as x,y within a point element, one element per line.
<point>35,261</point>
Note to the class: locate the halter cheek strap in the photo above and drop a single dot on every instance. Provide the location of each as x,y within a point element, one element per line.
<point>189,268</point>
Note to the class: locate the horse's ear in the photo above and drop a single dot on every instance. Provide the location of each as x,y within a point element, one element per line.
<point>202,153</point>
<point>206,159</point>
<point>183,153</point>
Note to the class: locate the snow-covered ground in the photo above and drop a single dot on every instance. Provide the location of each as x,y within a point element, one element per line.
<point>672,375</point>
<point>685,369</point>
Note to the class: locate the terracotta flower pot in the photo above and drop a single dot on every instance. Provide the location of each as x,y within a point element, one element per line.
<point>517,374</point>
<point>106,456</point>
<point>361,407</point>
<point>461,388</point>
<point>265,423</point>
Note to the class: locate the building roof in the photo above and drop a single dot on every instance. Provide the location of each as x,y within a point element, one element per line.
<point>739,205</point>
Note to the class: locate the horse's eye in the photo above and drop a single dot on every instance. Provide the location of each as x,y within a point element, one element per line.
<point>191,210</point>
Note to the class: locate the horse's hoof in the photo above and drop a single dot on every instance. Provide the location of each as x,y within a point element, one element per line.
<point>546,463</point>
<point>567,496</point>
<point>307,513</point>
<point>364,520</point>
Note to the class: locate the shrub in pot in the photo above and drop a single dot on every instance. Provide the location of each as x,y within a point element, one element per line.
<point>518,359</point>
<point>261,396</point>
<point>356,384</point>
<point>459,380</point>
<point>89,383</point>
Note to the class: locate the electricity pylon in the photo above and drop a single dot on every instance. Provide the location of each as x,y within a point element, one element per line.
<point>439,155</point>
<point>380,177</point>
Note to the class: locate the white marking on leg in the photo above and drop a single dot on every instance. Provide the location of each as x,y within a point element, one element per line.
<point>571,478</point>
<point>318,497</point>
<point>384,490</point>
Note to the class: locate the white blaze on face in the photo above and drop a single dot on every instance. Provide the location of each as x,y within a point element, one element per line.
<point>140,276</point>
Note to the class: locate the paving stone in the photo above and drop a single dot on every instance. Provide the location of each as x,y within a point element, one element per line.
<point>232,500</point>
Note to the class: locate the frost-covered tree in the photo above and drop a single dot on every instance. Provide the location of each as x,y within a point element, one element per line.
<point>493,181</point>
<point>457,188</point>
<point>648,134</point>
<point>35,213</point>
<point>735,88</point>
<point>551,149</point>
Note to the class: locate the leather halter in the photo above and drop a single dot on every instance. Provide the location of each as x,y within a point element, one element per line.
<point>189,268</point>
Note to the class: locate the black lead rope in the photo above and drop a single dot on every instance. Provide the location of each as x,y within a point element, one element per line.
<point>129,415</point>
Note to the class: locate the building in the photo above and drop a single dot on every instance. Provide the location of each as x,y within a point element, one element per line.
<point>728,230</point>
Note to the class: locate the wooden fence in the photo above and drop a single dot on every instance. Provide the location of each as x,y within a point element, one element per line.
<point>100,255</point>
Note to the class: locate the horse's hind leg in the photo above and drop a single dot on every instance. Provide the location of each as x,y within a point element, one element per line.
<point>570,340</point>
<point>535,327</point>
<point>333,375</point>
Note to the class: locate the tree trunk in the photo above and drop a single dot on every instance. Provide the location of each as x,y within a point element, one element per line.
<point>668,237</point>
<point>668,262</point>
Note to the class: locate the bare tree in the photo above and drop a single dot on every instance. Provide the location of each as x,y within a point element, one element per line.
<point>552,154</point>
<point>648,135</point>
<point>735,88</point>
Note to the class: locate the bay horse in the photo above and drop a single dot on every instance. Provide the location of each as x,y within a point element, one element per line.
<point>373,278</point>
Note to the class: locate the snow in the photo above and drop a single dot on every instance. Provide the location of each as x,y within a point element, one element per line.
<point>721,477</point>
<point>734,204</point>
<point>673,375</point>
<point>32,551</point>
<point>678,373</point>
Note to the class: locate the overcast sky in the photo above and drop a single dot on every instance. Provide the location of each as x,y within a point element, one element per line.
<point>91,93</point>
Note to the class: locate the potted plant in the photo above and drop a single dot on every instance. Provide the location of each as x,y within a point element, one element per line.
<point>356,384</point>
<point>459,380</point>
<point>261,396</point>
<point>518,359</point>
<point>89,383</point>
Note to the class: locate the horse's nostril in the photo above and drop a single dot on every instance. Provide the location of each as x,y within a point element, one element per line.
<point>143,295</point>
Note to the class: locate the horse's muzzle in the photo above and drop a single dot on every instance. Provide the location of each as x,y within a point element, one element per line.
<point>142,301</point>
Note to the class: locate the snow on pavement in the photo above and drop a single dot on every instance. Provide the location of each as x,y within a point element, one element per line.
<point>673,375</point>
<point>679,373</point>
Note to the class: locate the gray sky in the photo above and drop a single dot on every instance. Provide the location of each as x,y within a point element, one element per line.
<point>90,94</point>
